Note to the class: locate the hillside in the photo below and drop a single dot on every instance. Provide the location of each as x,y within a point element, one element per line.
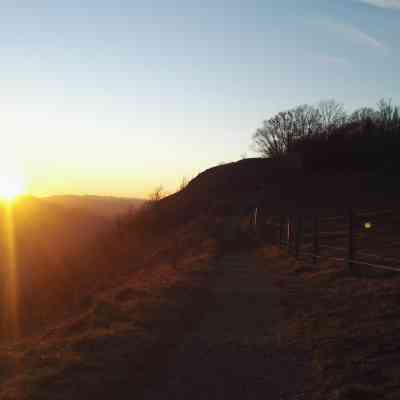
<point>120,309</point>
<point>345,328</point>
<point>45,239</point>
<point>276,186</point>
<point>99,324</point>
<point>104,206</point>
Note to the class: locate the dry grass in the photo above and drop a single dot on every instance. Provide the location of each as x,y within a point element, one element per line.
<point>349,326</point>
<point>119,345</point>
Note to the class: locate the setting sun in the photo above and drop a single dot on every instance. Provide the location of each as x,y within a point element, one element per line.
<point>11,187</point>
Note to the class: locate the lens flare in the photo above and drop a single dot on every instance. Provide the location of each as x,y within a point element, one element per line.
<point>11,187</point>
<point>10,314</point>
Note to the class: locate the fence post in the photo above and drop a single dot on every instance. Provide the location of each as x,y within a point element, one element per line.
<point>316,239</point>
<point>298,236</point>
<point>281,222</point>
<point>290,235</point>
<point>350,252</point>
<point>255,218</point>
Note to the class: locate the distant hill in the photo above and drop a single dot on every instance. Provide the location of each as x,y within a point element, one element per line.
<point>46,239</point>
<point>67,227</point>
<point>105,206</point>
<point>64,246</point>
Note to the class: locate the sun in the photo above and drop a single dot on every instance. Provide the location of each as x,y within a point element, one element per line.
<point>11,187</point>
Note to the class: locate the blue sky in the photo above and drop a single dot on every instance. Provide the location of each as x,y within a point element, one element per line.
<point>120,96</point>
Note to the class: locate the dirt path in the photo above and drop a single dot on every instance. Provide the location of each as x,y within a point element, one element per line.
<point>233,352</point>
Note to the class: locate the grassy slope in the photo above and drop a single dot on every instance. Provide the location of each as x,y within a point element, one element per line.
<point>348,325</point>
<point>47,239</point>
<point>111,350</point>
<point>92,350</point>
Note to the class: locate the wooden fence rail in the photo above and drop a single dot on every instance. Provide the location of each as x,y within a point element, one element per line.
<point>356,237</point>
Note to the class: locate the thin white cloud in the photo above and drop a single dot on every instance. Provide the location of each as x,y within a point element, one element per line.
<point>356,35</point>
<point>331,60</point>
<point>390,4</point>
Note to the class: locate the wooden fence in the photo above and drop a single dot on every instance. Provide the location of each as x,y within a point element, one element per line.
<point>361,238</point>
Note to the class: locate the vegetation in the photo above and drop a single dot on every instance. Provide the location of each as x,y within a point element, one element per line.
<point>119,299</point>
<point>107,312</point>
<point>112,348</point>
<point>66,257</point>
<point>327,138</point>
<point>343,328</point>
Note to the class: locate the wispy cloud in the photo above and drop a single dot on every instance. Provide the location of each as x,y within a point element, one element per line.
<point>391,4</point>
<point>331,60</point>
<point>356,35</point>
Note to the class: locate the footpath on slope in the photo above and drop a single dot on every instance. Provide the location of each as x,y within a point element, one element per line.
<point>233,352</point>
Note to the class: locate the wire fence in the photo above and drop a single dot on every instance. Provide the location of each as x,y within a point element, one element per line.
<point>358,238</point>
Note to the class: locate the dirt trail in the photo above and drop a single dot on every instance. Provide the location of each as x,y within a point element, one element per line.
<point>233,354</point>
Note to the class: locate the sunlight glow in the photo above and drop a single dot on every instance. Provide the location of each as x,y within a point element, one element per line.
<point>11,187</point>
<point>10,323</point>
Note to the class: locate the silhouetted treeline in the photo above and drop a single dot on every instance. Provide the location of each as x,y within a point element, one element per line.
<point>327,138</point>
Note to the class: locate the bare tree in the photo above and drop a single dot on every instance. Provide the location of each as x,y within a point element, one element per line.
<point>331,115</point>
<point>184,183</point>
<point>157,194</point>
<point>327,138</point>
<point>276,135</point>
<point>279,133</point>
<point>364,114</point>
<point>389,115</point>
<point>307,120</point>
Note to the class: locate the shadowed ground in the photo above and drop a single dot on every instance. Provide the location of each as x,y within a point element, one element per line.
<point>233,352</point>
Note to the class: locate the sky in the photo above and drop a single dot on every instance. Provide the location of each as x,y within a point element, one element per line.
<point>118,97</point>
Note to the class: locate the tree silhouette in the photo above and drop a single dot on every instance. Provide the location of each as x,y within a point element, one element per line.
<point>326,138</point>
